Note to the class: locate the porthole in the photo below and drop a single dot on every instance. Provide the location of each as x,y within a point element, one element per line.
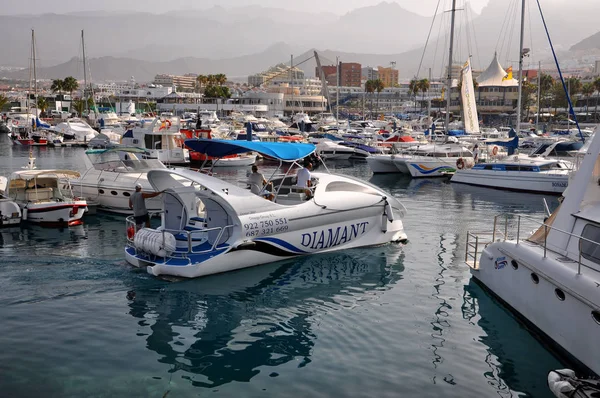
<point>560,294</point>
<point>126,194</point>
<point>114,193</point>
<point>514,264</point>
<point>596,316</point>
<point>535,278</point>
<point>101,191</point>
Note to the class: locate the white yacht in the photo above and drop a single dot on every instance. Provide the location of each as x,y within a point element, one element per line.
<point>551,278</point>
<point>331,150</point>
<point>210,226</point>
<point>10,212</point>
<point>430,160</point>
<point>45,196</point>
<point>111,175</point>
<point>161,138</point>
<point>527,173</point>
<point>76,129</point>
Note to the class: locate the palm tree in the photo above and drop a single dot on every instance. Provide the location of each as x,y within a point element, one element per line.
<point>413,88</point>
<point>596,84</point>
<point>3,101</point>
<point>78,106</point>
<point>58,86</point>
<point>202,80</point>
<point>587,90</point>
<point>378,86</point>
<point>546,82</point>
<point>70,84</point>
<point>42,105</point>
<point>211,80</point>
<point>370,88</point>
<point>423,85</point>
<point>220,79</point>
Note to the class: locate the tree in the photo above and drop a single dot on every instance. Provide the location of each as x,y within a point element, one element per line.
<point>423,85</point>
<point>220,79</point>
<point>596,84</point>
<point>3,101</point>
<point>79,106</point>
<point>370,88</point>
<point>70,84</point>
<point>202,81</point>
<point>217,92</point>
<point>42,105</point>
<point>527,91</point>
<point>378,86</point>
<point>211,80</point>
<point>413,88</point>
<point>587,90</point>
<point>546,82</point>
<point>58,86</point>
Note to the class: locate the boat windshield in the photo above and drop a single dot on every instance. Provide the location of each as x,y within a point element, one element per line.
<point>124,162</point>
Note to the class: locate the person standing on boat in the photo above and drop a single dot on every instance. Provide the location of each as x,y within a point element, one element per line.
<point>257,181</point>
<point>303,177</point>
<point>476,153</point>
<point>137,202</point>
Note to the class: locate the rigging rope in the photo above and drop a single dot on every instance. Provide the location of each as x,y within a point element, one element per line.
<point>428,35</point>
<point>571,111</point>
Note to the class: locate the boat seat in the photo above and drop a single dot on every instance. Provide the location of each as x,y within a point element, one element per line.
<point>34,195</point>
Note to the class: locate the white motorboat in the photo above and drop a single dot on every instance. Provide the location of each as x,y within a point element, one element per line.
<point>333,151</point>
<point>45,196</point>
<point>76,129</point>
<point>111,175</point>
<point>162,140</point>
<point>552,277</point>
<point>527,173</point>
<point>430,160</point>
<point>243,160</point>
<point>10,212</point>
<point>210,226</point>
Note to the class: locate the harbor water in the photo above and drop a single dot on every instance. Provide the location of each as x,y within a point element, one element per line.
<point>396,320</point>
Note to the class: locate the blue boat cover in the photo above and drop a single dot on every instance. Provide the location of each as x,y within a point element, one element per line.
<point>278,150</point>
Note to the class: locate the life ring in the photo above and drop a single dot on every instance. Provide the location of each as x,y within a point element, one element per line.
<point>164,125</point>
<point>15,122</point>
<point>495,151</point>
<point>130,232</point>
<point>460,164</point>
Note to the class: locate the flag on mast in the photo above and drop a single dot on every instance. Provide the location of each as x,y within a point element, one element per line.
<point>509,74</point>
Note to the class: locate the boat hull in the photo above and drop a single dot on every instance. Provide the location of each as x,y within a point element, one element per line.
<point>55,213</point>
<point>430,168</point>
<point>382,164</point>
<point>532,290</point>
<point>265,250</point>
<point>514,180</point>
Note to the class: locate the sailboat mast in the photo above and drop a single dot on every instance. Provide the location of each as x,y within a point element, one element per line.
<point>520,76</point>
<point>449,81</point>
<point>28,98</point>
<point>35,95</point>
<point>292,82</point>
<point>84,73</point>
<point>539,89</point>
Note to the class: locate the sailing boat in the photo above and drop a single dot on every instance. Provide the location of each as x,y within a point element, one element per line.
<point>22,126</point>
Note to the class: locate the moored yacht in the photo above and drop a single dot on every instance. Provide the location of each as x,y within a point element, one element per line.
<point>45,196</point>
<point>552,277</point>
<point>162,140</point>
<point>210,226</point>
<point>111,176</point>
<point>76,129</point>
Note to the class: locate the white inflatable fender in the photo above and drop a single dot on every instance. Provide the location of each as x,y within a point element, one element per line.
<point>389,212</point>
<point>151,241</point>
<point>559,387</point>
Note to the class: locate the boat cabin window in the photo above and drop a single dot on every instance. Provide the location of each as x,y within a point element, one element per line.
<point>344,186</point>
<point>590,251</point>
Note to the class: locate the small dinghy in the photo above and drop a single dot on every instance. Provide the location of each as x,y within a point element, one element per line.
<point>564,383</point>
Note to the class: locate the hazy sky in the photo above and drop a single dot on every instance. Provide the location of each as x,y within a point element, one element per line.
<point>424,7</point>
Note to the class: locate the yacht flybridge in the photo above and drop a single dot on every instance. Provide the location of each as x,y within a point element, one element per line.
<point>552,277</point>
<point>210,226</point>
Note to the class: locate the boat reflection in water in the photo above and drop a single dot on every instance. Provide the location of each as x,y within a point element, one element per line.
<point>517,361</point>
<point>224,328</point>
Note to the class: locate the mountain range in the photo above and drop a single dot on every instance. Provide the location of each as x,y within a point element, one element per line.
<point>246,40</point>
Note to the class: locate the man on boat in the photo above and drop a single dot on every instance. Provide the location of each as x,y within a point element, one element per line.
<point>303,177</point>
<point>257,181</point>
<point>137,202</point>
<point>476,153</point>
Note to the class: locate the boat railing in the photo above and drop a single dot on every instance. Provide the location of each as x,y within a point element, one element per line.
<point>132,229</point>
<point>508,228</point>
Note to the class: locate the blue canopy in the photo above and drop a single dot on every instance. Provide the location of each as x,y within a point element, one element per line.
<point>278,150</point>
